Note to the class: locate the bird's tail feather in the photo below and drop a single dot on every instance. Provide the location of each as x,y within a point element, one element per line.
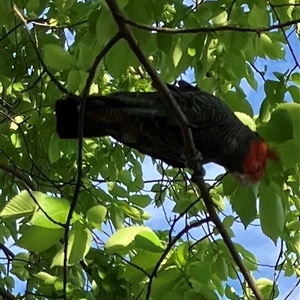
<point>67,118</point>
<point>105,112</point>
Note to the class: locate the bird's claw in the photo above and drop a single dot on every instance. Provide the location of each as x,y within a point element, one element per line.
<point>199,170</point>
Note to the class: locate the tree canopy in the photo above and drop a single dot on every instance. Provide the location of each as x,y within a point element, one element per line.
<point>75,217</point>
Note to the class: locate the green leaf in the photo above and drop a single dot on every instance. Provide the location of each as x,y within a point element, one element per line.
<point>249,260</point>
<point>123,238</point>
<point>275,91</point>
<point>267,288</point>
<point>177,53</point>
<point>133,274</point>
<point>230,293</point>
<point>21,273</point>
<point>16,140</point>
<point>32,5</point>
<point>181,254</point>
<point>116,55</point>
<point>238,69</point>
<point>221,18</point>
<point>125,177</point>
<point>251,78</point>
<point>55,208</point>
<point>296,78</point>
<point>243,203</point>
<point>228,221</point>
<point>222,269</point>
<point>270,47</point>
<point>270,204</point>
<point>293,109</point>
<point>140,200</point>
<point>284,123</point>
<point>258,17</point>
<point>148,240</point>
<point>166,281</point>
<point>57,58</point>
<point>289,153</point>
<point>229,184</point>
<point>74,80</point>
<point>237,102</point>
<point>164,42</point>
<point>116,216</point>
<point>188,295</point>
<point>79,243</point>
<point>200,271</point>
<point>129,210</point>
<point>117,190</point>
<point>46,277</point>
<point>21,205</point>
<point>295,93</point>
<point>37,239</point>
<point>96,215</point>
<point>54,148</point>
<point>246,120</point>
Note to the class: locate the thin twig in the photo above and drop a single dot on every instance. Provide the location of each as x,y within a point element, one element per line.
<point>262,75</point>
<point>292,290</point>
<point>277,267</point>
<point>169,30</point>
<point>167,250</point>
<point>7,252</point>
<point>96,62</point>
<point>36,50</point>
<point>227,240</point>
<point>81,110</point>
<point>284,35</point>
<point>9,32</point>
<point>28,88</point>
<point>17,173</point>
<point>133,265</point>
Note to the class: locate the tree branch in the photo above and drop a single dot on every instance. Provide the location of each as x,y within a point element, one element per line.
<point>8,253</point>
<point>17,173</point>
<point>159,85</point>
<point>284,35</point>
<point>207,29</point>
<point>188,142</point>
<point>6,295</point>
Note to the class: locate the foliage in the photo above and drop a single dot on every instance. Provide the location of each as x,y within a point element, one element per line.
<point>80,228</point>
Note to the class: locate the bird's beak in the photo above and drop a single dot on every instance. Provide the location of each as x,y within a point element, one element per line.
<point>243,179</point>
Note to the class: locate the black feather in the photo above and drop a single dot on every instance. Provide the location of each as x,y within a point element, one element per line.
<point>143,121</point>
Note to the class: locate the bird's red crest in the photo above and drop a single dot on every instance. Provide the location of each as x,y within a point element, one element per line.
<point>255,161</point>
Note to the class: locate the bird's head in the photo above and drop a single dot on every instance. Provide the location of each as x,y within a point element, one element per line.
<point>254,164</point>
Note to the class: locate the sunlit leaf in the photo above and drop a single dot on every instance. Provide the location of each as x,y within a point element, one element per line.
<point>96,215</point>
<point>33,238</point>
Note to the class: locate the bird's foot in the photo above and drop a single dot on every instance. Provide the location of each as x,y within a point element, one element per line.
<point>196,159</point>
<point>196,165</point>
